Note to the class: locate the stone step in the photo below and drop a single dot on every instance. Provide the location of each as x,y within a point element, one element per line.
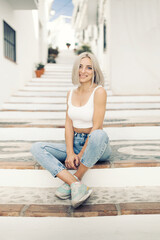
<point>41,202</point>
<point>40,93</point>
<point>107,177</point>
<point>58,134</point>
<point>52,80</point>
<point>26,119</point>
<point>51,88</point>
<point>125,115</point>
<point>60,123</point>
<point>126,227</point>
<point>46,134</point>
<point>49,84</point>
<point>125,154</point>
<point>52,84</point>
<point>62,107</point>
<point>110,99</point>
<point>7,123</point>
<point>48,100</point>
<point>68,77</point>
<point>57,75</point>
<point>131,146</point>
<point>57,69</point>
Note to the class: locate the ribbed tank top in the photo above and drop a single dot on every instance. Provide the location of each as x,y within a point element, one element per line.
<point>82,116</point>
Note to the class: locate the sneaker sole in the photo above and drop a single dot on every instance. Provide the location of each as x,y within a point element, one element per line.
<point>62,197</point>
<point>77,204</point>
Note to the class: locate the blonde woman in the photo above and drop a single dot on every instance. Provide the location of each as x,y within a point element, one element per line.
<point>85,140</point>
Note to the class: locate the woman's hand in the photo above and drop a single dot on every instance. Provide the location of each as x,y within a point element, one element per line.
<point>72,161</point>
<point>80,155</point>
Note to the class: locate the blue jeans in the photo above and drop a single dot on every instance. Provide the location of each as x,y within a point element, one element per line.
<point>51,156</point>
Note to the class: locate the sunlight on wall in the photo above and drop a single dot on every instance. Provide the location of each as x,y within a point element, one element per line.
<point>35,22</point>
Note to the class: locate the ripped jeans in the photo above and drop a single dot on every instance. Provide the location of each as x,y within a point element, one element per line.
<point>51,156</point>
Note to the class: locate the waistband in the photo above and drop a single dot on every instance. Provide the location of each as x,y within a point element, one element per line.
<point>81,134</point>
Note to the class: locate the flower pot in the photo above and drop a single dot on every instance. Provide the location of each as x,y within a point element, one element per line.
<point>39,72</point>
<point>42,71</point>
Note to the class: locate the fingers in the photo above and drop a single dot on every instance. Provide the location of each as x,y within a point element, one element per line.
<point>69,165</point>
<point>72,163</point>
<point>77,161</point>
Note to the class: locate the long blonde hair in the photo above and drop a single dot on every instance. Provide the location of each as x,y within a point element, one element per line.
<point>97,78</point>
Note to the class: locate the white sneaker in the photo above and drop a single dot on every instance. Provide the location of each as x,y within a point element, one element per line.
<point>79,193</point>
<point>64,191</point>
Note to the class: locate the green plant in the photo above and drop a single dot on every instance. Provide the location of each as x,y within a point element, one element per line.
<point>40,66</point>
<point>83,48</point>
<point>52,51</point>
<point>68,45</point>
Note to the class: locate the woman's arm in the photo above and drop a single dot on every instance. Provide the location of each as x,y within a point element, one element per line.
<point>100,99</point>
<point>69,133</point>
<point>72,158</point>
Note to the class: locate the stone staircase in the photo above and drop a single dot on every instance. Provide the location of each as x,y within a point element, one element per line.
<point>128,184</point>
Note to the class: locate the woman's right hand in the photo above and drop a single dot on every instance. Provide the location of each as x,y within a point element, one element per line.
<point>72,161</point>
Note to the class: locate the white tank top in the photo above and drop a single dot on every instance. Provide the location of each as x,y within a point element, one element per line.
<point>82,116</point>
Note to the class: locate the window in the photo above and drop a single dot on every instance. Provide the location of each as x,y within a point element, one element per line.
<point>9,42</point>
<point>104,36</point>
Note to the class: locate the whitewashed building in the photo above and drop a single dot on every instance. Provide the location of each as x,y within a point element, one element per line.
<point>61,32</point>
<point>23,42</point>
<point>125,36</point>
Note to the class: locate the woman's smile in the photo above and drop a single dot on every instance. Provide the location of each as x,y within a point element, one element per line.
<point>85,70</point>
<point>83,76</point>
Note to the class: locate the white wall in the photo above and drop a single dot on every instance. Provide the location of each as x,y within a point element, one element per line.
<point>135,46</point>
<point>43,12</point>
<point>14,75</point>
<point>61,33</point>
<point>27,44</point>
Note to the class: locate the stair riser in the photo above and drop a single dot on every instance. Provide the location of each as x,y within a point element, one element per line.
<point>130,177</point>
<point>58,134</point>
<point>124,115</point>
<point>63,107</point>
<point>119,228</point>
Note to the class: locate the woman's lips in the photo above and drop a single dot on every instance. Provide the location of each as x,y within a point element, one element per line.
<point>83,76</point>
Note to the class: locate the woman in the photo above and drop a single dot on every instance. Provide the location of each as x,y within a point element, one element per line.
<point>85,141</point>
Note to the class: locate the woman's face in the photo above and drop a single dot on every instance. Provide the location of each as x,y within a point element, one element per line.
<point>85,70</point>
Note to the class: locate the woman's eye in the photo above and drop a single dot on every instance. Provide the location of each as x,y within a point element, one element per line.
<point>90,68</point>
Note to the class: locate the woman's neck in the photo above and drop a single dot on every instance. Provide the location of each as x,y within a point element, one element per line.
<point>85,86</point>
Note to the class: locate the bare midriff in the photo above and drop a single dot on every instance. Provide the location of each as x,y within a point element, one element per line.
<point>82,130</point>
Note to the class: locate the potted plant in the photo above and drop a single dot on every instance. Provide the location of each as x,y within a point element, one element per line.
<point>52,54</point>
<point>68,45</point>
<point>83,48</point>
<point>39,69</point>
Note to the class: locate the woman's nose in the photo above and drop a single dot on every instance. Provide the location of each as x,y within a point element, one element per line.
<point>83,69</point>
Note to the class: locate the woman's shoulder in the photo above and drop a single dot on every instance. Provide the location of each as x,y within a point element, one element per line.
<point>99,89</point>
<point>73,89</point>
<point>100,92</point>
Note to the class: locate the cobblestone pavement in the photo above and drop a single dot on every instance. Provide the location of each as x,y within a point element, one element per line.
<point>46,196</point>
<point>147,152</point>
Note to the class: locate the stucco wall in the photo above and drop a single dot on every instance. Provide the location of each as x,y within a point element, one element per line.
<point>14,75</point>
<point>135,46</point>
